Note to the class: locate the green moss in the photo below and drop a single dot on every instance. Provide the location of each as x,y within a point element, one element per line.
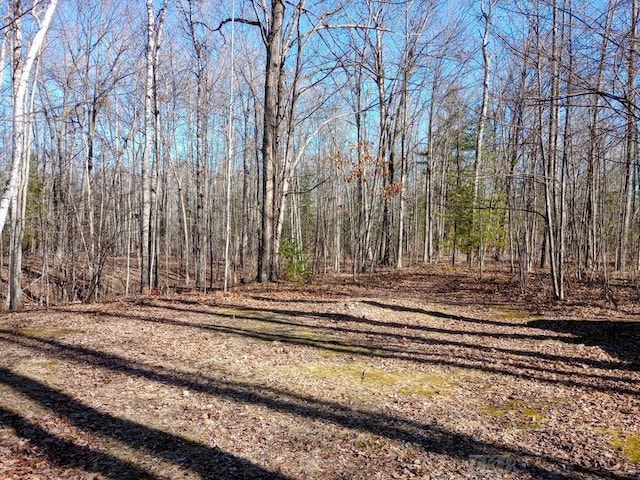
<point>267,326</point>
<point>40,332</point>
<point>404,382</point>
<point>509,313</point>
<point>295,333</point>
<point>628,443</point>
<point>524,415</point>
<point>245,313</point>
<point>298,336</point>
<point>352,349</point>
<point>494,411</point>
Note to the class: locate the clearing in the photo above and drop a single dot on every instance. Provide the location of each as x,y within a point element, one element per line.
<point>412,375</point>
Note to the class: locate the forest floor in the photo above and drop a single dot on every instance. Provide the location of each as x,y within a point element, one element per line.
<point>419,374</point>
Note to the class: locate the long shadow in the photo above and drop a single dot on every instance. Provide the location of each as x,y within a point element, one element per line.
<point>430,437</point>
<point>520,370</point>
<point>346,318</point>
<point>438,314</point>
<point>297,300</point>
<point>340,318</point>
<point>619,338</point>
<point>540,356</point>
<point>209,462</point>
<point>68,454</point>
<point>514,369</point>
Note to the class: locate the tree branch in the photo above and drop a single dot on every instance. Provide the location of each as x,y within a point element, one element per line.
<point>246,21</point>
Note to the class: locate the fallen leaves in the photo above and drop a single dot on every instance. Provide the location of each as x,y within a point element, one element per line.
<point>323,383</point>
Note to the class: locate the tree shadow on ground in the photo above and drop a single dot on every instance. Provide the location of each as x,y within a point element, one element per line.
<point>311,301</point>
<point>337,322</point>
<point>209,462</point>
<point>443,315</point>
<point>470,356</point>
<point>68,454</point>
<point>620,339</point>
<point>362,319</point>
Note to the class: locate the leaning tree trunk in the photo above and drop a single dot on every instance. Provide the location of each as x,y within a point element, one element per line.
<point>15,193</point>
<point>20,117</point>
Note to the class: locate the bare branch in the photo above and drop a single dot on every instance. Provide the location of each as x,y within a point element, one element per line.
<point>245,21</point>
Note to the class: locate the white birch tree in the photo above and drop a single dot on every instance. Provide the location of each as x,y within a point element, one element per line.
<point>14,196</point>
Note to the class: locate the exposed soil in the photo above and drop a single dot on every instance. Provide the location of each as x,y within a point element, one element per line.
<point>420,374</point>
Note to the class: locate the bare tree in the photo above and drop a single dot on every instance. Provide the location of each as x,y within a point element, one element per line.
<point>14,195</point>
<point>631,146</point>
<point>154,30</point>
<point>487,11</point>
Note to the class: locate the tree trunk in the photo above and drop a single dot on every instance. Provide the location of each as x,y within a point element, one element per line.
<point>145,218</point>
<point>270,139</point>
<point>553,213</point>
<point>20,117</point>
<point>482,119</point>
<point>631,147</point>
<point>427,254</point>
<point>15,194</point>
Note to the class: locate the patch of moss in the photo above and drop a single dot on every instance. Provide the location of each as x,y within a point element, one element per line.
<point>245,313</point>
<point>510,313</point>
<point>524,415</point>
<point>299,336</point>
<point>50,366</point>
<point>404,382</point>
<point>353,349</point>
<point>296,333</point>
<point>34,332</point>
<point>268,327</point>
<point>628,443</point>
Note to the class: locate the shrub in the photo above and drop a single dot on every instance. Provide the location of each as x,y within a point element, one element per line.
<point>295,262</point>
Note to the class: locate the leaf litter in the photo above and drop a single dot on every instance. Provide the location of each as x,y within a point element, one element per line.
<point>340,381</point>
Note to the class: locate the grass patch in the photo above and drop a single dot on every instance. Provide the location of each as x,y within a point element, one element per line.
<point>296,333</point>
<point>628,443</point>
<point>523,415</point>
<point>34,332</point>
<point>244,313</point>
<point>319,338</point>
<point>304,337</point>
<point>509,313</point>
<point>267,327</point>
<point>404,382</point>
<point>43,364</point>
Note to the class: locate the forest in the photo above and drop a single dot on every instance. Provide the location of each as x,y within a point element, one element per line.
<point>204,144</point>
<point>328,240</point>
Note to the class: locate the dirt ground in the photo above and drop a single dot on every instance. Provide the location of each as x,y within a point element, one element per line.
<point>418,374</point>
